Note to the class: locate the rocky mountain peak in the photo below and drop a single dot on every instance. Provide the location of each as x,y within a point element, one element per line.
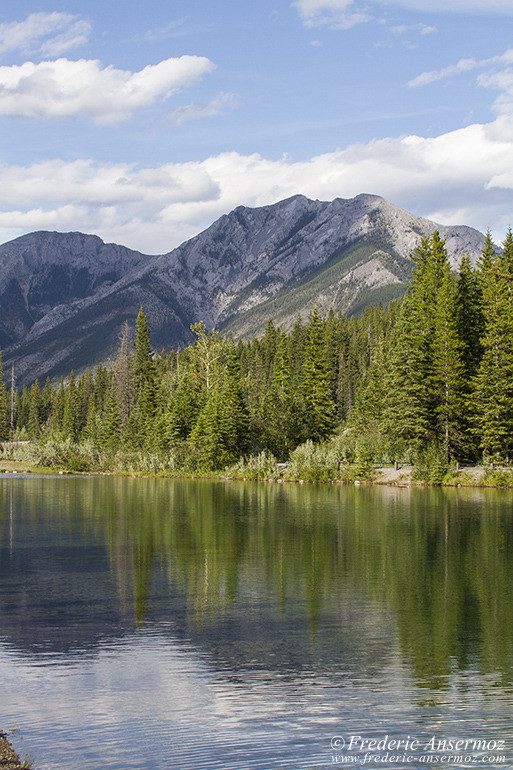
<point>65,296</point>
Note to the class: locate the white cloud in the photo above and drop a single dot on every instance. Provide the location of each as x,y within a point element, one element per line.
<point>64,89</point>
<point>338,14</point>
<point>154,209</point>
<point>490,80</point>
<point>50,34</point>
<point>174,28</point>
<point>200,109</point>
<point>344,14</point>
<point>500,81</point>
<point>502,7</point>
<point>464,65</point>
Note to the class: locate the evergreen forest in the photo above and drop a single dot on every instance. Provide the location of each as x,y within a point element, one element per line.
<point>430,375</point>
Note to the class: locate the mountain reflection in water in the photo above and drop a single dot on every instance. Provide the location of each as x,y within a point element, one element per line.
<point>263,585</point>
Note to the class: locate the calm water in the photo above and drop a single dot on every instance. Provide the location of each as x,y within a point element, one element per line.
<point>174,624</point>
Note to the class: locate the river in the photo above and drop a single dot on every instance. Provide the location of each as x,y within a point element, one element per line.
<point>151,623</point>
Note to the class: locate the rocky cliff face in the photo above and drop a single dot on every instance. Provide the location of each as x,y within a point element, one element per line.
<point>64,297</point>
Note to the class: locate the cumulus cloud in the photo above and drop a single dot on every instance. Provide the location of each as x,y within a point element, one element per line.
<point>154,209</point>
<point>49,34</point>
<point>64,88</point>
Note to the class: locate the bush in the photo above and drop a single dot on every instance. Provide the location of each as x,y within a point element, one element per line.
<point>431,466</point>
<point>261,466</point>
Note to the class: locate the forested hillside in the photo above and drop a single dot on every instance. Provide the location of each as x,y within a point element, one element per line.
<point>430,373</point>
<point>64,296</point>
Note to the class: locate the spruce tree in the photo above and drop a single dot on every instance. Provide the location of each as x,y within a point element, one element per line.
<point>235,418</point>
<point>36,409</point>
<point>493,395</point>
<point>124,376</point>
<point>145,377</point>
<point>507,257</point>
<point>58,407</point>
<point>470,317</point>
<point>315,389</point>
<point>5,423</point>
<point>69,418</point>
<point>488,254</point>
<point>413,386</point>
<point>111,422</point>
<point>409,409</point>
<point>47,397</point>
<point>448,370</point>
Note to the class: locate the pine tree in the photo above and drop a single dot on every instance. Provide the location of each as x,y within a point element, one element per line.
<point>448,369</point>
<point>144,373</point>
<point>235,418</point>
<point>36,409</point>
<point>85,389</point>
<point>111,422</point>
<point>124,376</point>
<point>143,365</point>
<point>470,318</point>
<point>4,407</point>
<point>493,395</point>
<point>281,368</point>
<point>69,418</point>
<point>268,345</point>
<point>488,254</point>
<point>58,407</point>
<point>206,439</point>
<point>507,256</point>
<point>47,397</point>
<point>409,409</point>
<point>413,388</point>
<point>316,390</point>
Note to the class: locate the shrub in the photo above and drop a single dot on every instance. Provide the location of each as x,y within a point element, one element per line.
<point>261,466</point>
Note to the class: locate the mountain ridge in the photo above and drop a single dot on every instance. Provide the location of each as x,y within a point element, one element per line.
<point>65,296</point>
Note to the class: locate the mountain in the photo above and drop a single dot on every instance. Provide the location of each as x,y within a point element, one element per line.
<point>64,296</point>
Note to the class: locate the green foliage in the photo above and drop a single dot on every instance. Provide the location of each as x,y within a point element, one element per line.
<point>493,394</point>
<point>431,465</point>
<point>4,408</point>
<point>322,463</point>
<point>433,370</point>
<point>311,462</point>
<point>256,468</point>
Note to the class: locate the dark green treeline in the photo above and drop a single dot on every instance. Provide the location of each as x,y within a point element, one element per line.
<point>432,373</point>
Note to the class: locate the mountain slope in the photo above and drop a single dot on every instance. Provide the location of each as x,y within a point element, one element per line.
<point>64,297</point>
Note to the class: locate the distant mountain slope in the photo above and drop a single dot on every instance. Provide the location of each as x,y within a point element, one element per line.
<point>43,274</point>
<point>64,296</point>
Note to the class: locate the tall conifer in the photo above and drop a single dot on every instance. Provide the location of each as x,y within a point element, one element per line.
<point>4,407</point>
<point>493,396</point>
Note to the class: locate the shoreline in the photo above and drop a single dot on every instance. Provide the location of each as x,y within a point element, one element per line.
<point>9,760</point>
<point>383,475</point>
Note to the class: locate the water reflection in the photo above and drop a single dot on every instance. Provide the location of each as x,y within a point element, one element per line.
<point>283,576</point>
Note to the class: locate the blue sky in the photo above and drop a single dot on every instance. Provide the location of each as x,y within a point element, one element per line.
<point>144,122</point>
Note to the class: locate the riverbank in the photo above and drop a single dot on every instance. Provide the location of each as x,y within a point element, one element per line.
<point>9,760</point>
<point>408,475</point>
<point>265,468</point>
<point>17,466</point>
